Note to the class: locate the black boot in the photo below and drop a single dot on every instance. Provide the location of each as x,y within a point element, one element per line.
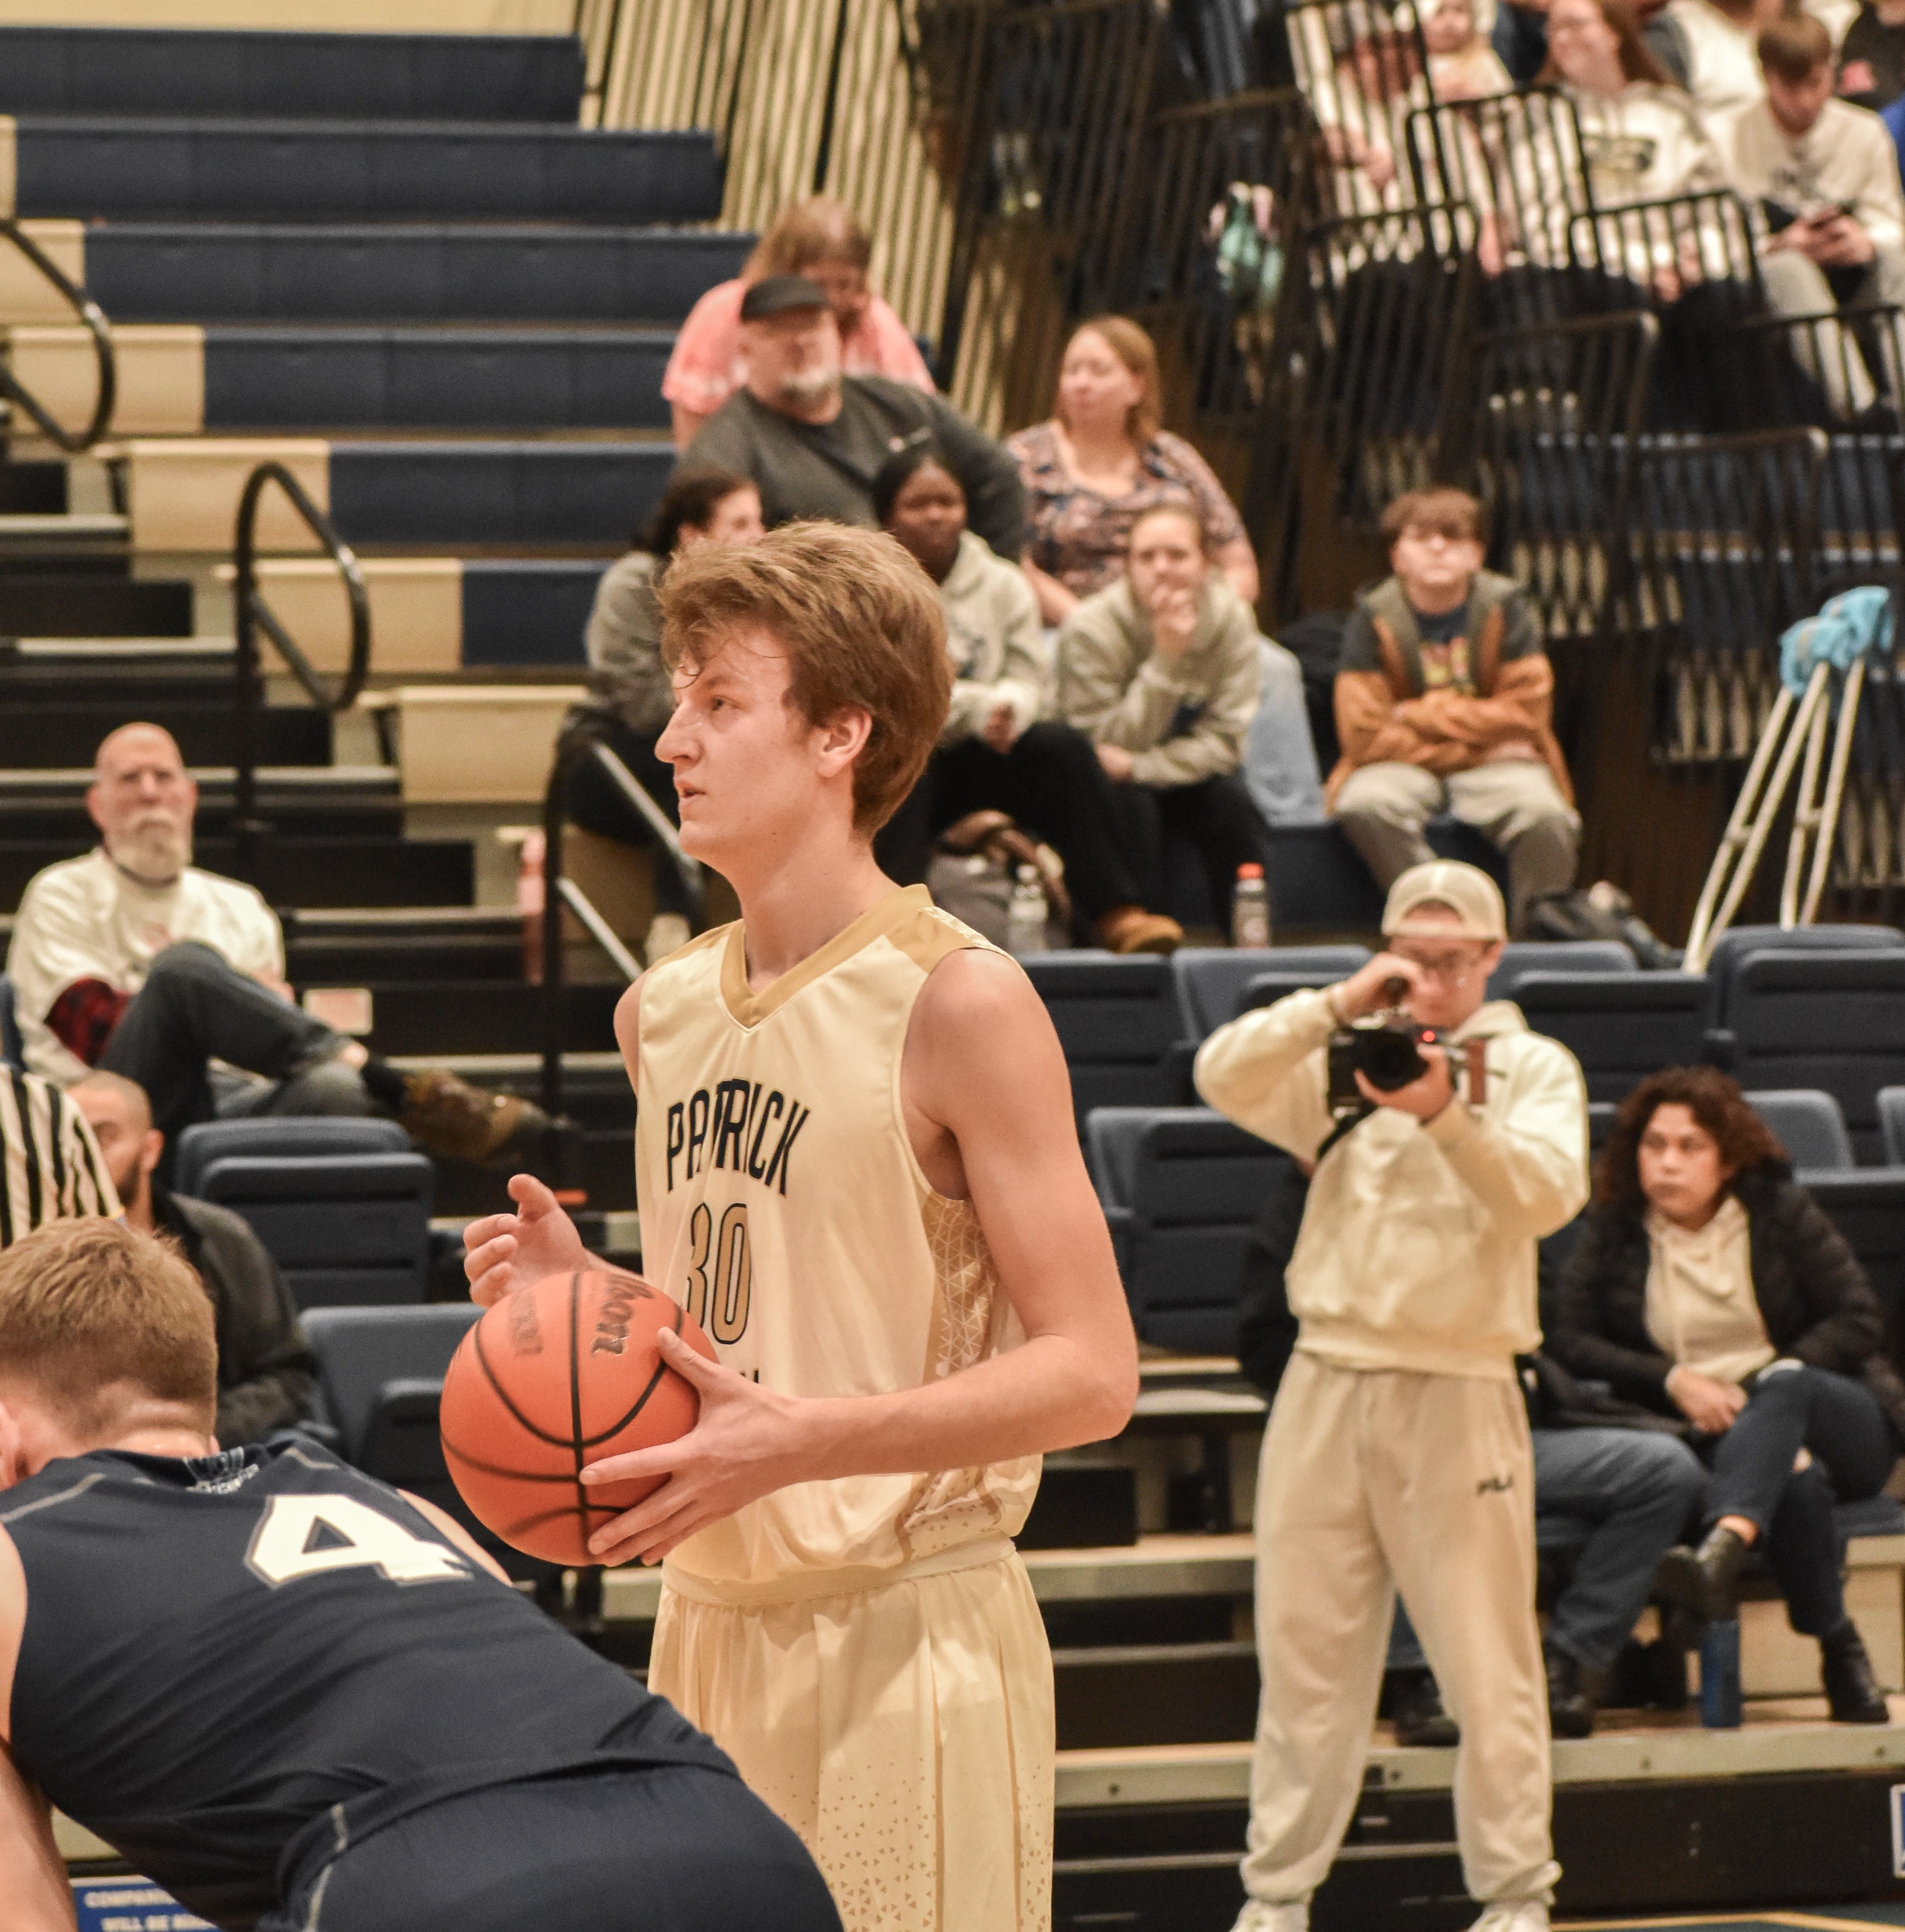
<point>1572,1689</point>
<point>1421,1717</point>
<point>1706,1580</point>
<point>1851,1688</point>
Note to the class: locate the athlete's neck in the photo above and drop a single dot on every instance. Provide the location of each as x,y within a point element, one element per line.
<point>791,912</point>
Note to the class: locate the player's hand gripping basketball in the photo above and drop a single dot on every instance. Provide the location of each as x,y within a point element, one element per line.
<point>502,1252</point>
<point>747,1442</point>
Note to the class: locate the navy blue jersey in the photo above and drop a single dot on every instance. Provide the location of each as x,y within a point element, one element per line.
<point>234,1665</point>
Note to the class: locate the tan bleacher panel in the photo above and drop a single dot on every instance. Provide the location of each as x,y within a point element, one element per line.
<point>183,495</point>
<point>353,16</point>
<point>160,368</point>
<point>25,295</point>
<point>479,744</point>
<point>9,166</point>
<point>416,611</point>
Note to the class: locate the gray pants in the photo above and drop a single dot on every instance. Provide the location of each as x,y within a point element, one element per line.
<point>1516,804</point>
<point>1279,755</point>
<point>1828,353</point>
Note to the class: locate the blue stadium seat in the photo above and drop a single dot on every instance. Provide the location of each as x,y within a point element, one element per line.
<point>280,1135</point>
<point>1867,1205</point>
<point>1891,1124</point>
<point>1521,957</point>
<point>1117,1020</point>
<point>13,1051</point>
<point>349,1226</point>
<point>1181,1187</point>
<point>1809,1126</point>
<point>1736,944</point>
<point>1211,980</point>
<point>1620,1027</point>
<point>1831,1020</point>
<point>1318,883</point>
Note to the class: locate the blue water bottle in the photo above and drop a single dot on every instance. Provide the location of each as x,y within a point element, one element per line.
<point>1720,1676</point>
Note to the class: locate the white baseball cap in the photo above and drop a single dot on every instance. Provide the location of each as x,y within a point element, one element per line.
<point>1465,890</point>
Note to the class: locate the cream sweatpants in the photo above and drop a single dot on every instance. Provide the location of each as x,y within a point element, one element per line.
<point>1371,1480</point>
<point>904,1729</point>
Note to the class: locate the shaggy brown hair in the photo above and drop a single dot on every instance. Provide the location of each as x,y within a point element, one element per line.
<point>1715,1099</point>
<point>1794,47</point>
<point>1450,513</point>
<point>87,1304</point>
<point>862,627</point>
<point>807,232</point>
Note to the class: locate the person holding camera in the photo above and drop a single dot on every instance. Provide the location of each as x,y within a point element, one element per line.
<point>1447,1139</point>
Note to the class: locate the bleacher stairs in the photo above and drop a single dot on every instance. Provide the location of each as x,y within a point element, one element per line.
<point>397,264</point>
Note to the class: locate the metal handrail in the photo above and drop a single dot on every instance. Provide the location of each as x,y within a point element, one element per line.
<point>94,318</point>
<point>558,890</point>
<point>252,613</point>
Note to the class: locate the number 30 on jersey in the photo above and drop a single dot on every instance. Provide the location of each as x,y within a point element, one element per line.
<point>720,1272</point>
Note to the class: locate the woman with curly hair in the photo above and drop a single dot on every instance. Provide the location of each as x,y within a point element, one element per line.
<point>1709,1284</point>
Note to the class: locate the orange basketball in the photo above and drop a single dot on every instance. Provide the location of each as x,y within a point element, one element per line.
<point>552,1378</point>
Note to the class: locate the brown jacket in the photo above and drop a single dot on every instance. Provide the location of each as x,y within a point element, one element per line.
<point>1381,719</point>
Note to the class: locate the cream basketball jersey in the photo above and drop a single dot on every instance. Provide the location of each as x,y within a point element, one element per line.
<point>781,1203</point>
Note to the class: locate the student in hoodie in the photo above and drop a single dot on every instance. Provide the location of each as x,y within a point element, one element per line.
<point>1397,1453</point>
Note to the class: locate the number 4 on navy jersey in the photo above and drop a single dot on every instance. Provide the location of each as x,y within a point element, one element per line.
<point>301,1536</point>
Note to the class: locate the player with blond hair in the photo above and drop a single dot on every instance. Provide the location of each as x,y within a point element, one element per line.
<point>858,1166</point>
<point>297,1700</point>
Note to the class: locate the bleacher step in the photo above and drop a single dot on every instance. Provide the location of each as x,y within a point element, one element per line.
<point>390,272</point>
<point>126,167</point>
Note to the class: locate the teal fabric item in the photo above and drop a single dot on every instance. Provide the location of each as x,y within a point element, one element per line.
<point>1854,624</point>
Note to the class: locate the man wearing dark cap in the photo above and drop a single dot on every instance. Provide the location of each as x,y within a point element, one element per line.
<point>813,439</point>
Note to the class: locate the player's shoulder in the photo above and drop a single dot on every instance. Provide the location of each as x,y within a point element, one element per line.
<point>927,934</point>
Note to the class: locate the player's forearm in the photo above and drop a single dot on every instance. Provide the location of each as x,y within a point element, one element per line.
<point>1052,1392</point>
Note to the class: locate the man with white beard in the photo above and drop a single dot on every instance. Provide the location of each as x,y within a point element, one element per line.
<point>811,440</point>
<point>133,961</point>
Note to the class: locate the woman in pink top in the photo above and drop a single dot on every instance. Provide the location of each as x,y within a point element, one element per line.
<point>822,240</point>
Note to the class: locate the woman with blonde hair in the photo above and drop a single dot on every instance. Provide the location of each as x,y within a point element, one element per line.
<point>1103,460</point>
<point>824,241</point>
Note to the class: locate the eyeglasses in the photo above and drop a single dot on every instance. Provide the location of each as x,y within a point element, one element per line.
<point>1451,968</point>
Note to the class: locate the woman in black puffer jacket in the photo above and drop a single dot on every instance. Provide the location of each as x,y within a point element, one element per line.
<point>1708,1283</point>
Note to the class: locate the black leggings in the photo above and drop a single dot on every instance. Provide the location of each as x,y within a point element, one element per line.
<point>1839,1422</point>
<point>672,1849</point>
<point>1051,782</point>
<point>1215,815</point>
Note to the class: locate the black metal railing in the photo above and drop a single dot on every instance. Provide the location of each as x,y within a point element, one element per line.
<point>560,893</point>
<point>252,614</point>
<point>92,319</point>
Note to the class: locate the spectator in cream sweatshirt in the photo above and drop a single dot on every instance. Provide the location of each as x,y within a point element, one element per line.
<point>1822,175</point>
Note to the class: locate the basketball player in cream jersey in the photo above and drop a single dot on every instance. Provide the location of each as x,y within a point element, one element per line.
<point>857,1166</point>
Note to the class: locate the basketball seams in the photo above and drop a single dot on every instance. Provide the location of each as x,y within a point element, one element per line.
<point>502,1394</point>
<point>581,1504</point>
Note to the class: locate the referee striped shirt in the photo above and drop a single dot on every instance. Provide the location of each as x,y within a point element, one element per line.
<point>53,1167</point>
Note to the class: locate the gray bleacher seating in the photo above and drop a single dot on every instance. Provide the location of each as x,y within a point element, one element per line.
<point>1891,1124</point>
<point>1831,1020</point>
<point>1521,957</point>
<point>344,1208</point>
<point>13,1051</point>
<point>1181,1187</point>
<point>1737,943</point>
<point>1319,883</point>
<point>1809,1126</point>
<point>1620,1027</point>
<point>1211,980</point>
<point>1117,1020</point>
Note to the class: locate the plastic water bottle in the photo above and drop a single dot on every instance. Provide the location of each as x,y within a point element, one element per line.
<point>1719,1676</point>
<point>1025,915</point>
<point>1250,908</point>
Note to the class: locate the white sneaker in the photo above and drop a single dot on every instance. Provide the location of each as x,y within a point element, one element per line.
<point>1514,1914</point>
<point>1257,1916</point>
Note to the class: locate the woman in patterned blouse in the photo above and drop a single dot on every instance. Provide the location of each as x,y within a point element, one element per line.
<point>1102,462</point>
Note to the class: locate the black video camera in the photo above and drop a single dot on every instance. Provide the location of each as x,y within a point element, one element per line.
<point>1384,1047</point>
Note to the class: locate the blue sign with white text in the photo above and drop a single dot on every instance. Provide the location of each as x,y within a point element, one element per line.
<point>130,1905</point>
